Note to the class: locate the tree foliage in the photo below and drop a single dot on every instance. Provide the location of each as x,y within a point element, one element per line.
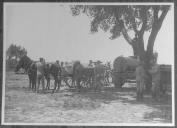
<point>121,19</point>
<point>15,51</point>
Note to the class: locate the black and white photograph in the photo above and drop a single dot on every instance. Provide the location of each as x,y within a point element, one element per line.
<point>88,64</point>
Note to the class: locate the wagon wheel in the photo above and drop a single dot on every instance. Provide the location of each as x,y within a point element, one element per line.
<point>89,83</point>
<point>68,82</point>
<point>118,80</point>
<point>85,83</point>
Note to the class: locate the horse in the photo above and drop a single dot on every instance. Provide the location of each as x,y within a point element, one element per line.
<point>67,74</point>
<point>82,74</point>
<point>58,73</point>
<point>26,63</point>
<point>55,71</point>
<point>35,71</point>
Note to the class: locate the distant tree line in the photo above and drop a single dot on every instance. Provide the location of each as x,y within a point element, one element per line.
<point>13,54</point>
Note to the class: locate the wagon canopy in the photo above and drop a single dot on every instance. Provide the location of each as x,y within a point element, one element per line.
<point>123,64</point>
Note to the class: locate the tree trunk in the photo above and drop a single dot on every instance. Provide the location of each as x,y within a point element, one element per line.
<point>147,66</point>
<point>138,49</point>
<point>138,43</point>
<point>135,50</point>
<point>149,55</point>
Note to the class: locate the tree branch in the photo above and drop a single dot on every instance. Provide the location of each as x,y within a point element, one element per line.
<point>124,31</point>
<point>155,29</point>
<point>134,25</point>
<point>133,20</point>
<point>126,36</point>
<point>156,11</point>
<point>142,30</point>
<point>162,16</point>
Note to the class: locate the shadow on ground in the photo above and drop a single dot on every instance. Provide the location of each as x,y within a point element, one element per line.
<point>70,99</point>
<point>162,108</point>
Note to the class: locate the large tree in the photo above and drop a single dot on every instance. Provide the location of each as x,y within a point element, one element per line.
<point>131,21</point>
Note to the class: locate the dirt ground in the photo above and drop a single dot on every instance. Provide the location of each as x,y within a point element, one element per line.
<point>69,106</point>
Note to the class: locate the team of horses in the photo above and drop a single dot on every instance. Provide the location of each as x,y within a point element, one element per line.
<point>80,75</point>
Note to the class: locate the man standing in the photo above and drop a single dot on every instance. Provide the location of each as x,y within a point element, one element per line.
<point>40,73</point>
<point>155,72</point>
<point>57,75</point>
<point>62,64</point>
<point>90,64</point>
<point>140,80</point>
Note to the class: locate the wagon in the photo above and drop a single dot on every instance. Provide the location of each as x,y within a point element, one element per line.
<point>165,78</point>
<point>124,71</point>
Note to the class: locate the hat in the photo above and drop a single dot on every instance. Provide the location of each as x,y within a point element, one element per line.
<point>57,61</point>
<point>41,59</point>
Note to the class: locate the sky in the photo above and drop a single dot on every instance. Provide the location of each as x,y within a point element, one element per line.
<point>49,30</point>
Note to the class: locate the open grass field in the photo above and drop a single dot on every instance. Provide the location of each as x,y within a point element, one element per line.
<point>70,106</point>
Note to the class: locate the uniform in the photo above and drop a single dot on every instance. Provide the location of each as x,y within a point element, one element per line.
<point>40,74</point>
<point>140,80</point>
<point>155,72</point>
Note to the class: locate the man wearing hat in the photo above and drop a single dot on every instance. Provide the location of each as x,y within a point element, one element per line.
<point>90,63</point>
<point>98,62</point>
<point>57,62</point>
<point>40,73</point>
<point>140,80</point>
<point>155,73</point>
<point>62,64</point>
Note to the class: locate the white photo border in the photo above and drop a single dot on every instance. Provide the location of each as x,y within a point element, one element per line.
<point>87,124</point>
